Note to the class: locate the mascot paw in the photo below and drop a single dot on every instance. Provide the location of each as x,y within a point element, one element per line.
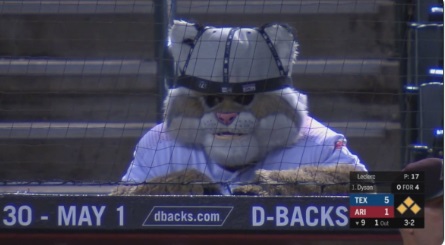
<point>250,190</point>
<point>305,180</point>
<point>187,182</point>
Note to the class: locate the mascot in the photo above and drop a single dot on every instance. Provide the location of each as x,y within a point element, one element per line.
<point>234,125</point>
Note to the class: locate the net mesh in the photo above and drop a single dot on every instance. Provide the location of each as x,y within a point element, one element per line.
<point>83,81</point>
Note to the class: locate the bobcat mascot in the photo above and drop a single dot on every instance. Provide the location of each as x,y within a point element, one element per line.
<point>235,125</point>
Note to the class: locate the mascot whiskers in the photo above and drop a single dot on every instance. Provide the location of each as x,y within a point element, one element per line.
<point>234,124</point>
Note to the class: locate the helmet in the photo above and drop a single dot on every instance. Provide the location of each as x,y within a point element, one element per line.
<point>231,60</point>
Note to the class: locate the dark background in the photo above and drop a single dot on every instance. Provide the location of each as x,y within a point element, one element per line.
<point>81,81</point>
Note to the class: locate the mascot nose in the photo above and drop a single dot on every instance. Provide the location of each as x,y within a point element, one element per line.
<point>226,118</point>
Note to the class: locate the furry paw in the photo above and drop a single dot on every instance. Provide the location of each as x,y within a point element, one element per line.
<point>187,182</point>
<point>250,190</point>
<point>305,180</point>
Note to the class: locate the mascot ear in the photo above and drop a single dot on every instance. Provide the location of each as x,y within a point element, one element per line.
<point>285,44</point>
<point>181,39</point>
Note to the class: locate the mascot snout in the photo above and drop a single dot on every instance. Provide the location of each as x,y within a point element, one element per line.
<point>226,118</point>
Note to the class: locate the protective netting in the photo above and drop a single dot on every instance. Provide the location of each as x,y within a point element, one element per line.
<point>86,105</point>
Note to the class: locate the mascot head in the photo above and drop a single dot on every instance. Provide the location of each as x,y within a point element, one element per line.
<point>232,94</point>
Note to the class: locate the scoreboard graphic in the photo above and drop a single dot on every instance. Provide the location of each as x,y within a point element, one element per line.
<point>376,200</point>
<point>386,200</point>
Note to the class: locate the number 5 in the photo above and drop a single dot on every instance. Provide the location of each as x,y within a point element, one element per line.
<point>386,199</point>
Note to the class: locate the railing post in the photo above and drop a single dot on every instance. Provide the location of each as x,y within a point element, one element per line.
<point>163,15</point>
